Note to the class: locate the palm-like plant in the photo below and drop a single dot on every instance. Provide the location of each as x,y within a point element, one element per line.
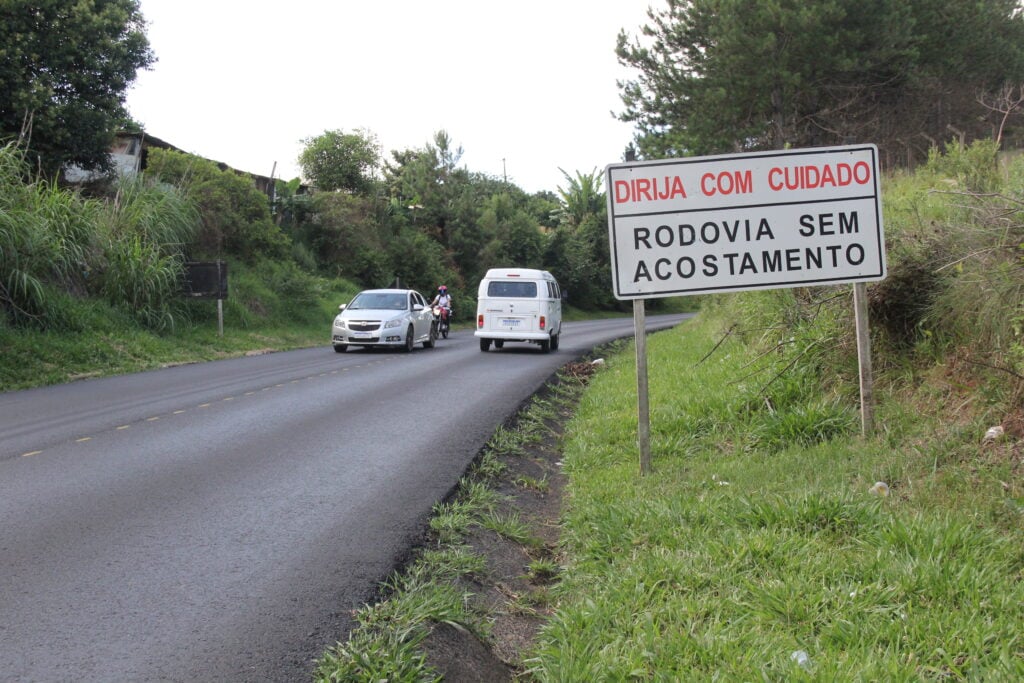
<point>581,198</point>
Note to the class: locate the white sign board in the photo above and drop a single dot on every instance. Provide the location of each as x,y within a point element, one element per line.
<point>763,220</point>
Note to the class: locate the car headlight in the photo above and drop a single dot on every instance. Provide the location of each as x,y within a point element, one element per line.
<point>397,322</point>
<point>339,321</point>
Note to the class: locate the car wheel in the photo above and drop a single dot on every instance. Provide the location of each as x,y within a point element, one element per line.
<point>485,344</point>
<point>431,338</point>
<point>340,348</point>
<point>444,331</point>
<point>410,341</point>
<point>545,346</point>
<point>554,342</point>
<point>499,344</point>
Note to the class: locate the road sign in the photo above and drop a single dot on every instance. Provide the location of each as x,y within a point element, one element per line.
<point>206,280</point>
<point>762,220</point>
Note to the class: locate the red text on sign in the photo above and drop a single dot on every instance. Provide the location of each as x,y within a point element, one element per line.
<point>813,177</point>
<point>649,189</point>
<point>727,182</point>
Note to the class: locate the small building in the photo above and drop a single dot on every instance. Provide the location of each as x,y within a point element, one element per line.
<point>129,153</point>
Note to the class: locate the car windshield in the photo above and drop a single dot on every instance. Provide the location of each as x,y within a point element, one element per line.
<point>379,301</point>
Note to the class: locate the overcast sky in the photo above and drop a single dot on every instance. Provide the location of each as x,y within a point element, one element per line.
<point>524,87</point>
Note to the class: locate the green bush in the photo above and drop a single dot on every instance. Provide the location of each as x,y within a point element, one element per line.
<point>973,168</point>
<point>981,243</point>
<point>343,233</point>
<point>235,215</point>
<point>955,279</point>
<point>900,303</point>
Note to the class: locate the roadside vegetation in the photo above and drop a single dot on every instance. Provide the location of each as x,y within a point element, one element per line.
<point>91,278</point>
<point>91,286</point>
<point>480,586</point>
<point>772,541</point>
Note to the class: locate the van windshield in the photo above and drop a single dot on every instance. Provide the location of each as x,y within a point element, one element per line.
<point>512,289</point>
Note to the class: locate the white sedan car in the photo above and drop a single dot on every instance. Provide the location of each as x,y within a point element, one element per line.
<point>384,317</point>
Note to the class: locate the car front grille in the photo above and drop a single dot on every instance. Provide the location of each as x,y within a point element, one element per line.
<point>363,326</point>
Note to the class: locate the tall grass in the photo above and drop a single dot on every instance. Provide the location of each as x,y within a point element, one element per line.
<point>46,238</point>
<point>744,557</point>
<point>956,269</point>
<point>146,230</point>
<point>53,242</point>
<point>759,550</point>
<point>156,212</point>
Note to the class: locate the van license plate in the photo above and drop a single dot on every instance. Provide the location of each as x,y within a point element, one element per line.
<point>510,322</point>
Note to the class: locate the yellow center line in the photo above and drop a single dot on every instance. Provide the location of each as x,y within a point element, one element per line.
<point>249,393</point>
<point>30,453</point>
<point>230,398</point>
<point>152,419</point>
<point>204,405</point>
<point>83,439</point>
<point>123,427</point>
<point>178,412</point>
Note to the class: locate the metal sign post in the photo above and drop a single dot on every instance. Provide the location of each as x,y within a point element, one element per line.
<point>860,312</point>
<point>208,280</point>
<point>643,402</point>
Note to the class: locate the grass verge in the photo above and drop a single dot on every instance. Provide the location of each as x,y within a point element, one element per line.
<point>470,602</point>
<point>99,340</point>
<point>761,548</point>
<point>771,542</point>
<point>38,358</point>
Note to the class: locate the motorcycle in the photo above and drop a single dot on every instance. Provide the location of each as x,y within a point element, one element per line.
<point>442,320</point>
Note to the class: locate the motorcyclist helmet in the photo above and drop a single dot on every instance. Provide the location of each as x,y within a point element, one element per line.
<point>442,289</point>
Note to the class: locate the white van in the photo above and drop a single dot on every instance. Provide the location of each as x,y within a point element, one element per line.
<point>520,305</point>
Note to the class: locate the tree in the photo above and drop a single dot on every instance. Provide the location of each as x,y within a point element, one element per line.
<point>734,75</point>
<point>543,206</point>
<point>336,160</point>
<point>420,262</point>
<point>430,180</point>
<point>64,70</point>
<point>581,198</point>
<point>578,253</point>
<point>515,237</point>
<point>343,233</point>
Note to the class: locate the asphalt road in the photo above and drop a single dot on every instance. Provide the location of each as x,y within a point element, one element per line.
<point>220,521</point>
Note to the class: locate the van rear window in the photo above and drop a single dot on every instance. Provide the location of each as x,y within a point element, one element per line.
<point>515,290</point>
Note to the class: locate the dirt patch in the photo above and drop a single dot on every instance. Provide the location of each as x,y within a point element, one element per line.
<point>514,589</point>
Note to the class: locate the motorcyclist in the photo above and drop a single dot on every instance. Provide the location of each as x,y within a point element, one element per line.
<point>444,300</point>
